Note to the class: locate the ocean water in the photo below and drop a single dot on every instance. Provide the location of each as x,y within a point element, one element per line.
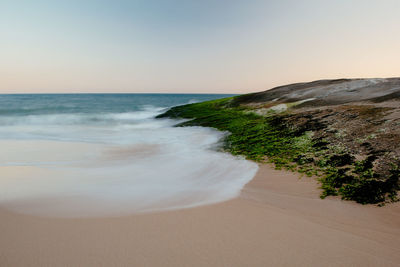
<point>79,155</point>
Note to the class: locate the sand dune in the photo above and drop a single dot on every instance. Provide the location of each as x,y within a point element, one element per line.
<point>278,220</point>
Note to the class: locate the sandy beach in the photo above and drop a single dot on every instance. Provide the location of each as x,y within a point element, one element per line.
<point>165,133</point>
<point>278,220</point>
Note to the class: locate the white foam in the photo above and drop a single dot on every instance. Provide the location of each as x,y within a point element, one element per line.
<point>138,164</point>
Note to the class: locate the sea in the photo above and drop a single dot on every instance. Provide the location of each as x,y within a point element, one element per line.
<point>91,155</point>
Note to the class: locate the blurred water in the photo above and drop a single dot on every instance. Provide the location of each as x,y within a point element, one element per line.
<point>100,155</point>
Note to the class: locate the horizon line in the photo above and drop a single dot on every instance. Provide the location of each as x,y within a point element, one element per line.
<point>119,93</point>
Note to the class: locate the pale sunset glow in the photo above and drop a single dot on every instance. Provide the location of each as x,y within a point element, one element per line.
<point>192,46</point>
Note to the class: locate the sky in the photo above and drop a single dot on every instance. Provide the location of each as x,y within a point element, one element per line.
<point>176,46</point>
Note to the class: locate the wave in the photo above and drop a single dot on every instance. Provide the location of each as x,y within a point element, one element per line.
<point>102,163</point>
<point>145,113</point>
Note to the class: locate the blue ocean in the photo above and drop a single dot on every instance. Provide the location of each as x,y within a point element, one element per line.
<point>74,155</point>
<point>88,108</point>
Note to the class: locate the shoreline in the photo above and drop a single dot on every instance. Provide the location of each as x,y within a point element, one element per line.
<point>278,220</point>
<point>71,179</point>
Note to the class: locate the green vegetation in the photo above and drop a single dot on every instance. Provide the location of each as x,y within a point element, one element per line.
<point>269,139</point>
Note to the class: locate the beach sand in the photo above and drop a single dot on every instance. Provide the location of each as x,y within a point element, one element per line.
<point>279,220</point>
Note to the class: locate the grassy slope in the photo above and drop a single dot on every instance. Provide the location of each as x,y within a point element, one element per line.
<point>267,138</point>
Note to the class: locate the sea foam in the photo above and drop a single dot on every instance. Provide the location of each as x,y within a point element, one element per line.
<point>102,164</point>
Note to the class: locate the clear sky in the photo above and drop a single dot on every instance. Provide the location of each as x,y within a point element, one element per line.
<point>190,46</point>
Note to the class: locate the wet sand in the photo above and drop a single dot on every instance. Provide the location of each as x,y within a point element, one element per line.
<point>278,220</point>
